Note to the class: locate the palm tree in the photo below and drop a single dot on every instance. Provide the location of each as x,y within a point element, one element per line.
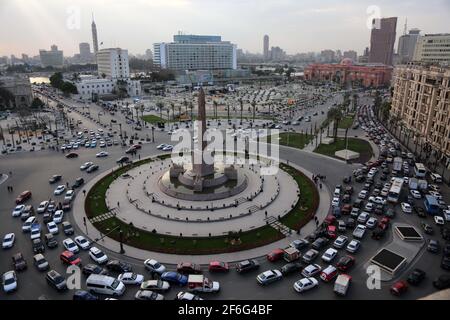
<point>160,106</point>
<point>253,110</point>
<point>191,106</point>
<point>215,104</point>
<point>241,103</point>
<point>335,114</point>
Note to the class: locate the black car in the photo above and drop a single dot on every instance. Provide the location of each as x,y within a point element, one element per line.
<point>416,277</point>
<point>67,228</point>
<point>345,263</point>
<point>420,212</point>
<point>38,246</point>
<point>445,232</point>
<point>378,234</point>
<point>94,269</point>
<point>19,262</point>
<point>118,266</point>
<point>427,228</point>
<point>47,218</point>
<point>348,190</point>
<point>92,168</point>
<point>50,241</point>
<point>55,178</point>
<point>84,296</point>
<point>350,223</point>
<point>347,179</point>
<point>56,280</point>
<point>122,160</point>
<point>319,243</point>
<point>247,265</point>
<point>379,209</point>
<point>433,246</point>
<point>360,178</point>
<point>445,263</point>
<point>358,203</point>
<point>442,282</point>
<point>78,183</point>
<point>292,268</point>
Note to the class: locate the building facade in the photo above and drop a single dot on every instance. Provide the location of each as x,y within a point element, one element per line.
<point>382,40</point>
<point>91,88</point>
<point>53,58</point>
<point>367,75</point>
<point>20,88</point>
<point>195,52</point>
<point>407,45</point>
<point>421,99</point>
<point>113,63</point>
<point>350,54</point>
<point>433,48</point>
<point>266,47</point>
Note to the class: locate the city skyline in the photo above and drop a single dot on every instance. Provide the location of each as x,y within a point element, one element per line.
<point>284,21</point>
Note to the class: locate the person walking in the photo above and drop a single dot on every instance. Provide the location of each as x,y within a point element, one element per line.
<point>320,185</point>
<point>118,204</point>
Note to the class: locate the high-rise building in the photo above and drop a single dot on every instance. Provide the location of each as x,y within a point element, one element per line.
<point>327,56</point>
<point>382,40</point>
<point>266,47</point>
<point>433,48</point>
<point>52,58</point>
<point>113,63</point>
<point>277,54</point>
<point>85,52</point>
<point>407,45</point>
<point>195,52</point>
<point>94,35</point>
<point>350,54</point>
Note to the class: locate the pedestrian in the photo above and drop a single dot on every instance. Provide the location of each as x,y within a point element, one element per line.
<point>320,185</point>
<point>10,173</point>
<point>11,187</point>
<point>67,184</point>
<point>84,192</point>
<point>118,204</point>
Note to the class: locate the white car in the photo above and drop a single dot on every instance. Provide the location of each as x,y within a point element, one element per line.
<point>35,233</point>
<point>70,245</point>
<point>340,242</point>
<point>131,278</point>
<point>363,217</point>
<point>42,207</point>
<point>305,284</point>
<point>187,296</point>
<point>447,215</point>
<point>311,270</point>
<point>269,276</point>
<point>161,146</point>
<point>406,207</point>
<point>363,194</point>
<point>406,180</point>
<point>59,190</point>
<point>335,202</point>
<point>58,216</point>
<point>102,154</point>
<point>329,255</point>
<point>9,281</point>
<point>82,242</point>
<point>353,246</point>
<point>371,223</point>
<point>153,265</point>
<point>26,227</point>
<point>439,220</point>
<point>8,240</point>
<point>168,147</point>
<point>435,194</point>
<point>377,200</point>
<point>52,227</point>
<point>18,210</point>
<point>416,194</point>
<point>86,165</point>
<point>69,195</point>
<point>97,255</point>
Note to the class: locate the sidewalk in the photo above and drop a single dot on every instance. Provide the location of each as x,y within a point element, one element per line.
<point>3,177</point>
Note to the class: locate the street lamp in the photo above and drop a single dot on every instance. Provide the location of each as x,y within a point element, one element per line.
<point>122,251</point>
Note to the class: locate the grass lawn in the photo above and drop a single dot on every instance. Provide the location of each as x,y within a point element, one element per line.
<point>153,119</point>
<point>346,123</point>
<point>354,144</point>
<point>296,140</point>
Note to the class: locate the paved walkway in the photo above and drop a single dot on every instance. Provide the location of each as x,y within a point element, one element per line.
<point>110,244</point>
<point>3,178</point>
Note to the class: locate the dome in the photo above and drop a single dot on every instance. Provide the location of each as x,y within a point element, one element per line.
<point>347,61</point>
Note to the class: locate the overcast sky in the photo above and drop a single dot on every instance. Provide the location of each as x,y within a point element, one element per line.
<point>295,25</point>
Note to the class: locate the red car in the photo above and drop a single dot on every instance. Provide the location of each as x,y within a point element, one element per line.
<point>24,196</point>
<point>68,257</point>
<point>188,268</point>
<point>399,288</point>
<point>345,263</point>
<point>275,255</point>
<point>330,219</point>
<point>331,232</point>
<point>384,223</point>
<point>137,146</point>
<point>346,209</point>
<point>218,266</point>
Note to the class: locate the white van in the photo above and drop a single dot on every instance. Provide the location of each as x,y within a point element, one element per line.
<point>342,284</point>
<point>28,223</point>
<point>436,178</point>
<point>97,283</point>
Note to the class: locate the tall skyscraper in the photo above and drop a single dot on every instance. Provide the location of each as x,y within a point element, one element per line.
<point>266,47</point>
<point>382,40</point>
<point>407,45</point>
<point>94,35</point>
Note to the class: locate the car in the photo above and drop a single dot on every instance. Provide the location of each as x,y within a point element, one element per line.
<point>42,207</point>
<point>427,228</point>
<point>445,262</point>
<point>70,245</point>
<point>363,217</point>
<point>118,266</point>
<point>269,276</point>
<point>311,270</point>
<point>58,216</point>
<point>218,266</point>
<point>8,240</point>
<point>122,160</point>
<point>67,228</point>
<point>148,295</point>
<point>340,242</point>
<point>187,296</point>
<point>94,269</point>
<point>433,246</point>
<point>19,262</point>
<point>436,178</point>
<point>335,202</point>
<point>51,207</point>
<point>86,165</point>
<point>188,268</point>
<point>56,280</point>
<point>97,255</point>
<point>24,196</point>
<point>299,244</point>
<point>69,195</point>
<point>167,148</point>
<point>439,220</point>
<point>399,288</point>
<point>291,267</point>
<point>406,207</point>
<point>51,241</point>
<point>363,194</point>
<point>350,223</point>
<point>247,266</point>
<point>78,183</point>
<point>102,154</point>
<point>154,266</point>
<point>92,168</point>
<point>319,243</point>
<point>9,281</point>
<point>131,278</point>
<point>82,242</point>
<point>59,190</point>
<point>155,285</point>
<point>442,282</point>
<point>40,262</point>
<point>275,255</point>
<point>72,155</point>
<point>353,246</point>
<point>68,257</point>
<point>377,200</point>
<point>131,150</point>
<point>81,295</point>
<point>35,231</point>
<point>416,194</point>
<point>371,223</point>
<point>310,255</point>
<point>174,277</point>
<point>55,178</point>
<point>329,255</point>
<point>416,277</point>
<point>18,210</point>
<point>305,284</point>
<point>52,227</point>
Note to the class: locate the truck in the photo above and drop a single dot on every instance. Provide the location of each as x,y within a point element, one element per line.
<point>291,254</point>
<point>418,184</point>
<point>342,284</point>
<point>199,283</point>
<point>397,165</point>
<point>359,231</point>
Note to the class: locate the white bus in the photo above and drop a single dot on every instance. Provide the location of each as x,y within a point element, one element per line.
<point>395,190</point>
<point>419,170</point>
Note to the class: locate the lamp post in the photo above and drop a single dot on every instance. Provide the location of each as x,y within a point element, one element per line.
<point>122,251</point>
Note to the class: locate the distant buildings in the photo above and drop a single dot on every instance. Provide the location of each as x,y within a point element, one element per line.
<point>195,52</point>
<point>347,72</point>
<point>20,88</point>
<point>433,48</point>
<point>266,48</point>
<point>351,55</point>
<point>277,54</point>
<point>382,40</point>
<point>113,63</point>
<point>407,45</point>
<point>327,56</point>
<point>53,58</point>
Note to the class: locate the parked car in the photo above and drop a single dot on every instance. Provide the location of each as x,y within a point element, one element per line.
<point>247,265</point>
<point>269,276</point>
<point>188,268</point>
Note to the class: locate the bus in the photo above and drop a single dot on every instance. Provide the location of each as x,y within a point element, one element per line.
<point>395,190</point>
<point>431,205</point>
<point>419,170</point>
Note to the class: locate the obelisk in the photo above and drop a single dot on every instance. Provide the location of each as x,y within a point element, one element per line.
<point>199,167</point>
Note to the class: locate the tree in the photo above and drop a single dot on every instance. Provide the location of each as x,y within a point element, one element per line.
<point>56,80</point>
<point>68,88</point>
<point>6,98</point>
<point>37,103</point>
<point>335,114</point>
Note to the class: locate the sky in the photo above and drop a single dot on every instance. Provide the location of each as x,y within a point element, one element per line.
<point>294,25</point>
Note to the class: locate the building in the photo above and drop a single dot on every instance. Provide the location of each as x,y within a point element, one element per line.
<point>92,88</point>
<point>277,54</point>
<point>53,58</point>
<point>407,45</point>
<point>421,99</point>
<point>327,56</point>
<point>266,52</point>
<point>382,40</point>
<point>113,63</point>
<point>347,72</point>
<point>195,52</point>
<point>94,36</point>
<point>433,48</point>
<point>351,55</point>
<point>85,55</point>
<point>20,88</point>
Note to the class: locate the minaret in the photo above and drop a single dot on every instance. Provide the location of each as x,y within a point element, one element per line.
<point>94,35</point>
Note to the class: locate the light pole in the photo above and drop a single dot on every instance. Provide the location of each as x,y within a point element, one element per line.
<point>122,251</point>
